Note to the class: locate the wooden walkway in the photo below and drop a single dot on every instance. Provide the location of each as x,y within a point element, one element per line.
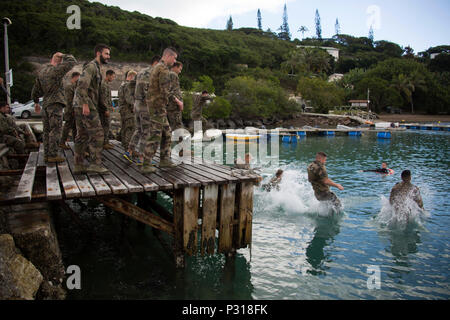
<point>205,197</point>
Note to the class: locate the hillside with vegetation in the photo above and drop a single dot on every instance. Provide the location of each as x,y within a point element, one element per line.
<point>250,70</point>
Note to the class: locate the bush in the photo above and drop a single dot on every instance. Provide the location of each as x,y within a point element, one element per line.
<point>220,108</point>
<point>252,98</point>
<point>322,94</point>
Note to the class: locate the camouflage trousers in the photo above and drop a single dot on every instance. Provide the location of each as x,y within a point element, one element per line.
<point>16,144</point>
<point>69,124</point>
<point>160,136</point>
<point>329,196</point>
<point>205,125</point>
<point>89,136</point>
<point>142,128</point>
<point>174,116</point>
<point>127,130</point>
<point>52,121</point>
<point>106,123</point>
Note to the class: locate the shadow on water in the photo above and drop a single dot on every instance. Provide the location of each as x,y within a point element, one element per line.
<point>120,259</point>
<point>317,255</point>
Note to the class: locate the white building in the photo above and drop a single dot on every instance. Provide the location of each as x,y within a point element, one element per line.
<point>331,51</point>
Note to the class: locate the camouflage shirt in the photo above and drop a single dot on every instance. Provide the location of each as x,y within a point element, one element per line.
<point>316,174</point>
<point>106,99</point>
<point>197,108</point>
<point>8,126</point>
<point>69,92</point>
<point>126,98</point>
<point>142,83</point>
<point>403,191</point>
<point>175,91</point>
<point>89,85</point>
<point>49,82</point>
<point>159,94</point>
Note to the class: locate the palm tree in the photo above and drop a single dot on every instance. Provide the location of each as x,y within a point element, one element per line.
<point>303,29</point>
<point>407,85</point>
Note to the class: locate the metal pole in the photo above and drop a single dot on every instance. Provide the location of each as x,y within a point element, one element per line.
<point>5,25</point>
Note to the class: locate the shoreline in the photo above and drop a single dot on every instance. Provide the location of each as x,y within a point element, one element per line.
<point>413,118</point>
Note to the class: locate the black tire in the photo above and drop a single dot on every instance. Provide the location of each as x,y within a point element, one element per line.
<point>25,115</point>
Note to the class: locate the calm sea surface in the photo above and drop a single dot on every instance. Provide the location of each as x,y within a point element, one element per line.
<point>298,252</point>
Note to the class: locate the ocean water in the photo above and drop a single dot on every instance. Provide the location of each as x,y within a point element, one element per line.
<point>298,251</point>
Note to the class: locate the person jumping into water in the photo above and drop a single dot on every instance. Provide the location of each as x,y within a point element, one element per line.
<point>318,177</point>
<point>274,182</point>
<point>403,192</point>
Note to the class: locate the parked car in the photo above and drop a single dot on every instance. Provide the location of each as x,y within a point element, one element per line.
<point>26,111</point>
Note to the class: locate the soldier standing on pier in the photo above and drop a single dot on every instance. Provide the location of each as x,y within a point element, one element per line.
<point>69,114</point>
<point>89,128</point>
<point>158,97</point>
<point>105,107</point>
<point>141,116</point>
<point>126,106</point>
<point>49,84</point>
<point>173,109</point>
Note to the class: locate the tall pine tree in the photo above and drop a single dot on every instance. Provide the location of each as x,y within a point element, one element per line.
<point>284,29</point>
<point>259,20</point>
<point>337,27</point>
<point>318,26</point>
<point>230,24</point>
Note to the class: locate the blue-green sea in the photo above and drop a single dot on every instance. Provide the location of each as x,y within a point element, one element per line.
<point>298,251</point>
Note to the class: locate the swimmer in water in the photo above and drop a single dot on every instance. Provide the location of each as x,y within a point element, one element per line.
<point>274,182</point>
<point>384,169</point>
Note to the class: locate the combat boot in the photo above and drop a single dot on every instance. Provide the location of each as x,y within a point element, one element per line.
<point>148,168</point>
<point>79,169</point>
<point>95,168</point>
<point>108,146</point>
<point>56,159</point>
<point>167,163</point>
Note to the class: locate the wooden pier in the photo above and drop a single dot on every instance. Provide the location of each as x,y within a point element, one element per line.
<point>208,199</point>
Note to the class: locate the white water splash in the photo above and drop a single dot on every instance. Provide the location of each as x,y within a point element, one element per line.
<point>409,214</point>
<point>295,196</point>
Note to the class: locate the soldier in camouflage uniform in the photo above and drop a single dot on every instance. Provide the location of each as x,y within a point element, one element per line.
<point>9,131</point>
<point>105,107</point>
<point>173,110</point>
<point>69,115</point>
<point>49,84</point>
<point>197,108</point>
<point>402,193</point>
<point>89,128</point>
<point>318,177</point>
<point>126,106</point>
<point>158,97</point>
<point>141,116</point>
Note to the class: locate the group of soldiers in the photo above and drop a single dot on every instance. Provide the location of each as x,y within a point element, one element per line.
<point>150,106</point>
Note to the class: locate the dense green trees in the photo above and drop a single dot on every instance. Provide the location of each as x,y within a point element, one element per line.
<point>250,70</point>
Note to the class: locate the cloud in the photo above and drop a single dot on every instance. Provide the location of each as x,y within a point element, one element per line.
<point>196,13</point>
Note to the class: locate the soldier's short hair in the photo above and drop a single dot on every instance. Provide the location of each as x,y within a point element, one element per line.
<point>155,58</point>
<point>177,64</point>
<point>322,154</point>
<point>130,72</point>
<point>110,72</point>
<point>75,74</point>
<point>100,47</point>
<point>279,173</point>
<point>170,51</point>
<point>406,175</point>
